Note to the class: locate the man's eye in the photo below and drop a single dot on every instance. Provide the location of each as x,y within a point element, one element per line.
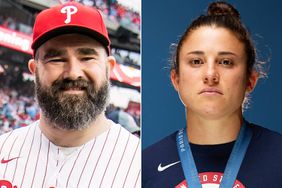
<point>57,60</point>
<point>87,58</point>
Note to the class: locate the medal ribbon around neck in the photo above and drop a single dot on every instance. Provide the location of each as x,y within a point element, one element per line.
<point>233,164</point>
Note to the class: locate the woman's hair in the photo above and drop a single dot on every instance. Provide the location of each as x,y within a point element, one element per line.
<point>222,14</point>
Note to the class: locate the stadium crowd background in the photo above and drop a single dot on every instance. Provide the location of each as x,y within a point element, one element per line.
<point>18,107</point>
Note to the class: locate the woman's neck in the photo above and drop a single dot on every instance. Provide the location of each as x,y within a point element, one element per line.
<point>213,131</point>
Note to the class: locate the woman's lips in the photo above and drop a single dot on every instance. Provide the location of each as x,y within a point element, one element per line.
<point>211,91</point>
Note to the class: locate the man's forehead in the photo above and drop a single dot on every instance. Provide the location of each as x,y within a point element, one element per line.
<point>52,52</point>
<point>80,43</point>
<point>73,39</point>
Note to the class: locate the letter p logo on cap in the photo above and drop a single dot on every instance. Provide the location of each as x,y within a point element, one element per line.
<point>71,17</point>
<point>69,10</point>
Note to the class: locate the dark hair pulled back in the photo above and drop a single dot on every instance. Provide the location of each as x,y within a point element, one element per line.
<point>220,14</point>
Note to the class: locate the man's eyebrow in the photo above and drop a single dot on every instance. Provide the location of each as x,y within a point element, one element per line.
<point>50,53</point>
<point>87,51</point>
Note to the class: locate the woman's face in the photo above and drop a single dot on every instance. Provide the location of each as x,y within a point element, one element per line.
<point>212,79</point>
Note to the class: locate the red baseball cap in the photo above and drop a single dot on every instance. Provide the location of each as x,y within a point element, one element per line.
<point>68,18</point>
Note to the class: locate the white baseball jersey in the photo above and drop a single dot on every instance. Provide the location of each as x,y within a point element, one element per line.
<point>30,160</point>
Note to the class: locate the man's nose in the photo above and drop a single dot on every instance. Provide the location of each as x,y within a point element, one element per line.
<point>73,69</point>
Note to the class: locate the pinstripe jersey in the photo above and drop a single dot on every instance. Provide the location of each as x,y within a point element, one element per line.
<point>30,160</point>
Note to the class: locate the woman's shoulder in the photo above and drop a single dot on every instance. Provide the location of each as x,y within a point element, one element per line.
<point>159,156</point>
<point>163,151</point>
<point>264,134</point>
<point>264,153</point>
<point>162,145</point>
<point>266,141</point>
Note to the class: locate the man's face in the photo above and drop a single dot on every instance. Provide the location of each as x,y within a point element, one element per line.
<point>72,80</point>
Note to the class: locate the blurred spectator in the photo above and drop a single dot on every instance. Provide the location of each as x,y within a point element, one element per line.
<point>118,12</point>
<point>2,19</point>
<point>113,10</point>
<point>10,23</point>
<point>16,110</point>
<point>123,118</point>
<point>9,110</point>
<point>31,109</point>
<point>126,58</point>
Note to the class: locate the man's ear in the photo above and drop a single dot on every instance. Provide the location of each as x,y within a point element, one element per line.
<point>111,61</point>
<point>253,78</point>
<point>174,77</point>
<point>32,66</point>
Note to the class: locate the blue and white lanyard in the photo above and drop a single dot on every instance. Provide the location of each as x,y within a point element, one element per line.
<point>233,163</point>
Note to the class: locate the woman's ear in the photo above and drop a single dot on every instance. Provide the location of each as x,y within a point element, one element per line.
<point>174,77</point>
<point>253,78</point>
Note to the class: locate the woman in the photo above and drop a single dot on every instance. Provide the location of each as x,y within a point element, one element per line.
<point>213,70</point>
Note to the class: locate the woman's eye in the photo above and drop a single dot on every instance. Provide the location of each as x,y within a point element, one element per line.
<point>226,62</point>
<point>196,61</point>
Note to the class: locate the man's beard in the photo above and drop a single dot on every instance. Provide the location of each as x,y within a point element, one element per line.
<point>72,111</point>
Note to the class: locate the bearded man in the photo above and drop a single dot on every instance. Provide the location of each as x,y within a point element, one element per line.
<point>73,144</point>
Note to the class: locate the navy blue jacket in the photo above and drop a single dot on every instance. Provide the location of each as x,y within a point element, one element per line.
<point>261,167</point>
